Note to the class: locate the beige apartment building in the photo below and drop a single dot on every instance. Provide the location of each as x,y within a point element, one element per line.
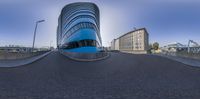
<point>136,41</point>
<point>115,44</point>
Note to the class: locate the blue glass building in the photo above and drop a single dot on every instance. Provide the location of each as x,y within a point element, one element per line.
<point>78,28</point>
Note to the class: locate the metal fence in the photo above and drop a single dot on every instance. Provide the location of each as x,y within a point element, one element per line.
<point>183,54</point>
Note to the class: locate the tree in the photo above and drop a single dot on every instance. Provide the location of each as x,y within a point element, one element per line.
<point>155,46</point>
<point>150,46</point>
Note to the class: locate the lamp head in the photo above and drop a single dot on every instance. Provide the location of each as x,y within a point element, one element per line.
<point>40,21</point>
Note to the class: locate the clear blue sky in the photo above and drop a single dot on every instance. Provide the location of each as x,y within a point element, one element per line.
<point>166,21</point>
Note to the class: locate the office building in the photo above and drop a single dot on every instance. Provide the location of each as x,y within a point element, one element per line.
<point>79,28</point>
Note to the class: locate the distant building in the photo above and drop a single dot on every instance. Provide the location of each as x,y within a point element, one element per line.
<point>136,41</point>
<point>115,44</point>
<point>112,47</point>
<point>178,47</point>
<point>174,47</point>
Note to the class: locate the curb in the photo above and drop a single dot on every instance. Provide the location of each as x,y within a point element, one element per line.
<point>16,63</point>
<point>85,60</point>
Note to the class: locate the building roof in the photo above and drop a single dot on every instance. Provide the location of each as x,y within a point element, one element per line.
<point>133,31</point>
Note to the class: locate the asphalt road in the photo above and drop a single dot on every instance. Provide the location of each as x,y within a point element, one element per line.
<point>121,76</point>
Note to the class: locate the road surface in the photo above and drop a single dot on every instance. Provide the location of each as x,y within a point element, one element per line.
<point>121,76</point>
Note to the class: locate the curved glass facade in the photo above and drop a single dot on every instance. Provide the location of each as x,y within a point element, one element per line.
<point>78,28</point>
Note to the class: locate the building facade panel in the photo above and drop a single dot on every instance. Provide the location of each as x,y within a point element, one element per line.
<point>117,44</point>
<point>112,44</point>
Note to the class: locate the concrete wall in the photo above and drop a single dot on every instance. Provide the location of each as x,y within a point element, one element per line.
<point>136,52</point>
<point>16,55</point>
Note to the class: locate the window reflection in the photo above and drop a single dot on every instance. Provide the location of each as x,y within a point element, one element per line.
<point>81,43</point>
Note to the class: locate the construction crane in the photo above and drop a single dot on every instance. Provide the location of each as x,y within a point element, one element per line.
<point>191,41</point>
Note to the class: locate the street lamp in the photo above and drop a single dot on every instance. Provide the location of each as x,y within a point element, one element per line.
<point>35,33</point>
<point>50,45</point>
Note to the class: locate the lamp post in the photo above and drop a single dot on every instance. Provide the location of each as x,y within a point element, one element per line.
<point>50,45</point>
<point>35,32</point>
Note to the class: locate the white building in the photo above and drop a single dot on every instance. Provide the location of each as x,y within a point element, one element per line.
<point>136,41</point>
<point>115,44</point>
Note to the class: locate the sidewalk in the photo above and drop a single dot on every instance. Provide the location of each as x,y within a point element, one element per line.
<point>85,57</point>
<point>187,61</point>
<point>20,62</point>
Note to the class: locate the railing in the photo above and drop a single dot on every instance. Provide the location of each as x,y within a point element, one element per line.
<point>183,54</point>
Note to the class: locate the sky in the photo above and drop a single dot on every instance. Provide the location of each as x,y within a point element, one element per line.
<point>166,21</point>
